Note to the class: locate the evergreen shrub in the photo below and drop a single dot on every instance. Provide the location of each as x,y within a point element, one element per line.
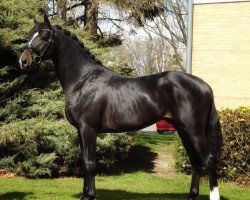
<point>39,147</point>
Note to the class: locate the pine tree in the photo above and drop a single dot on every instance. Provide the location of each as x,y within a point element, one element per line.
<point>138,11</point>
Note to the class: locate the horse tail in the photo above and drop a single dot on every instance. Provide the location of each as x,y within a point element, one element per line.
<point>214,130</point>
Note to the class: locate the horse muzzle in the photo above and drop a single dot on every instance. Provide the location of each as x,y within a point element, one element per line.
<point>27,60</point>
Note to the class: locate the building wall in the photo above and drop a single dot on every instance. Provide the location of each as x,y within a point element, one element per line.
<point>221,51</point>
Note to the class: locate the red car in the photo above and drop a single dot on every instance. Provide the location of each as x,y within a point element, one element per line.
<point>162,126</point>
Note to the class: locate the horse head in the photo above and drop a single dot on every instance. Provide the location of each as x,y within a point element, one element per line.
<point>40,46</point>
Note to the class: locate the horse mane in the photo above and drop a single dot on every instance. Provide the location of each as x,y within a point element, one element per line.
<point>75,38</point>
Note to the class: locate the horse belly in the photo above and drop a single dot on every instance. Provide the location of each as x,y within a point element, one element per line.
<point>128,118</point>
<point>126,126</point>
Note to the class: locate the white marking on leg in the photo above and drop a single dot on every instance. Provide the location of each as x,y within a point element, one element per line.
<point>34,36</point>
<point>214,194</point>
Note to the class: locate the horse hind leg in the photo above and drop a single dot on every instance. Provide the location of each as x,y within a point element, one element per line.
<point>209,159</point>
<point>196,163</point>
<point>212,173</point>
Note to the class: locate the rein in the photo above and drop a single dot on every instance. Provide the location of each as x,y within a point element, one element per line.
<point>38,58</point>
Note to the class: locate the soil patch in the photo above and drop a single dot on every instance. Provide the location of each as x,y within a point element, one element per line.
<point>164,166</point>
<point>6,174</point>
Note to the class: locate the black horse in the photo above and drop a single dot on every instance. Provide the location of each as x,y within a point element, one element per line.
<point>99,100</point>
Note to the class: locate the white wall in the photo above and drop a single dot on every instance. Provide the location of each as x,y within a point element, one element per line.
<point>221,49</point>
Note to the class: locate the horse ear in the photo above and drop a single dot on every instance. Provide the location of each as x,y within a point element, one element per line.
<point>36,22</point>
<point>46,20</point>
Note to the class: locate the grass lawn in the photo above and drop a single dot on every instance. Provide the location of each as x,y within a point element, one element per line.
<point>133,186</point>
<point>157,142</point>
<point>127,186</point>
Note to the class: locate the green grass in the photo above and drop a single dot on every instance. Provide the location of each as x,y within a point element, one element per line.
<point>144,152</point>
<point>157,142</point>
<point>132,185</point>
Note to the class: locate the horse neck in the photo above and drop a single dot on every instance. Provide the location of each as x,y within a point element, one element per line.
<point>71,61</point>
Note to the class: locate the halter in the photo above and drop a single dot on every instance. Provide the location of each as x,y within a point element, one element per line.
<point>37,60</point>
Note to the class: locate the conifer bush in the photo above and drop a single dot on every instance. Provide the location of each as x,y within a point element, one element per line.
<point>40,147</point>
<point>234,159</point>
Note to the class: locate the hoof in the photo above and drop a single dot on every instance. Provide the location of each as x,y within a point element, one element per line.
<point>87,198</point>
<point>193,197</point>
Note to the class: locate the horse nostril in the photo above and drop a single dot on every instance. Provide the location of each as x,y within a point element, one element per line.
<point>37,60</point>
<point>24,62</point>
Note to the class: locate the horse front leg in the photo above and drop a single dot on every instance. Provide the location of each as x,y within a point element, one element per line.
<point>88,136</point>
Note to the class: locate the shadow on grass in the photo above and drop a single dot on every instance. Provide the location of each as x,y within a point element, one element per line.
<point>15,195</point>
<point>123,195</point>
<point>140,158</point>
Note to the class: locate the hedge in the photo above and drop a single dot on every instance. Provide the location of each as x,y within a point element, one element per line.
<point>234,159</point>
<point>40,147</point>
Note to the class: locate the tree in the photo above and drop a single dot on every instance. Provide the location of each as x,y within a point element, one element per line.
<point>149,55</point>
<point>166,19</point>
<point>91,16</point>
<point>61,9</point>
<point>133,11</point>
<point>171,26</point>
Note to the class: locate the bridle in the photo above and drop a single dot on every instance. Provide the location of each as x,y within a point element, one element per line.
<point>37,59</point>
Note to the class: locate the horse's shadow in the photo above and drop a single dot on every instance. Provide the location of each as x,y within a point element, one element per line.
<point>15,195</point>
<point>134,162</point>
<point>124,195</point>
